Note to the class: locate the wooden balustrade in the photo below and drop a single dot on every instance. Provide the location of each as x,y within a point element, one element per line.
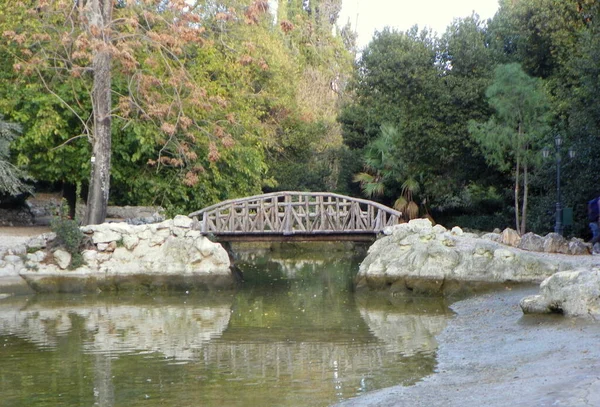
<point>290,213</point>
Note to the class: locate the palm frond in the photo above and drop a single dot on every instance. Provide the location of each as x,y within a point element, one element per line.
<point>412,210</point>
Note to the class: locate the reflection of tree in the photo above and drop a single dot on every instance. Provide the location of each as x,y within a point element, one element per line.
<point>104,389</point>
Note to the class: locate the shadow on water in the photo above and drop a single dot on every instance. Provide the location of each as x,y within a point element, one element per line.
<point>295,334</point>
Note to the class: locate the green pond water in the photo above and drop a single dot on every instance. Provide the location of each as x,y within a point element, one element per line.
<point>294,334</point>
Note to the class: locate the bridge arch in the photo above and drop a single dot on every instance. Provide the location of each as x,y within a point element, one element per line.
<point>296,213</point>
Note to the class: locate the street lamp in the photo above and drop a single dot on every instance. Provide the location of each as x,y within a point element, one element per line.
<point>546,153</point>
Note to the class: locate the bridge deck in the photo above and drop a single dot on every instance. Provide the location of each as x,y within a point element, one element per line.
<point>296,213</point>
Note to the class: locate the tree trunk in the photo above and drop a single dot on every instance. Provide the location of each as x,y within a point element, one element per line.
<point>517,191</point>
<point>99,14</point>
<point>525,193</point>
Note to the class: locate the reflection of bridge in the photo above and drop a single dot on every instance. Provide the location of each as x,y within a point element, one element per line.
<point>321,215</point>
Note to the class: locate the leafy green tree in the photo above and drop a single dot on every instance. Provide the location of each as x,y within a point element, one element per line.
<point>11,177</point>
<point>179,124</point>
<point>511,139</point>
<point>428,89</point>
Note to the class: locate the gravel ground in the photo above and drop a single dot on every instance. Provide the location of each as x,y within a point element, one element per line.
<point>14,236</point>
<point>492,355</point>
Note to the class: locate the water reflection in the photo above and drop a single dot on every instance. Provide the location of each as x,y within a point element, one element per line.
<point>118,325</point>
<point>295,335</point>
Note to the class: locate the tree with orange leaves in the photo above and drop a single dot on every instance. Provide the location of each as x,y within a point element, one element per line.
<point>123,62</point>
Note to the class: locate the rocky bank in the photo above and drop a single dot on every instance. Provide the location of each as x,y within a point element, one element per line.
<point>418,258</point>
<point>166,255</point>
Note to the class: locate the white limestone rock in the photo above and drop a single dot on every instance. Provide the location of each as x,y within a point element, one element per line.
<point>106,236</point>
<point>181,221</point>
<point>419,255</point>
<point>62,258</point>
<point>571,293</point>
<point>130,241</point>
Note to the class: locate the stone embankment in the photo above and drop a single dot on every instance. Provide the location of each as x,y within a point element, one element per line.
<point>168,255</point>
<point>418,258</point>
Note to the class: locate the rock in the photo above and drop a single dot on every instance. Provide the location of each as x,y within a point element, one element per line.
<point>105,236</point>
<point>555,243</point>
<point>419,258</point>
<point>138,257</point>
<point>579,247</point>
<point>13,259</point>
<point>494,237</point>
<point>102,247</point>
<point>510,237</point>
<point>40,241</point>
<point>531,242</point>
<point>571,293</point>
<point>121,228</point>
<point>62,258</point>
<point>181,221</point>
<point>36,257</point>
<point>130,241</point>
<point>457,231</point>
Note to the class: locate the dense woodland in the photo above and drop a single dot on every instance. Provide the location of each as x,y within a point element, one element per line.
<point>185,103</point>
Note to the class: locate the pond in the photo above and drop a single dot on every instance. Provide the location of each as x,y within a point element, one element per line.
<point>294,334</point>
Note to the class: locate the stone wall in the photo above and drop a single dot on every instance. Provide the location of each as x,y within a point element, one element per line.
<point>168,255</point>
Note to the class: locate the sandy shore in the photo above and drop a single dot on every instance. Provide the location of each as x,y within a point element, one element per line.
<point>492,355</point>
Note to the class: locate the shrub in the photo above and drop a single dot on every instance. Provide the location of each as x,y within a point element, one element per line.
<point>67,231</point>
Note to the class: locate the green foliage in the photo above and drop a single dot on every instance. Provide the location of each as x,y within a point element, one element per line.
<point>520,119</point>
<point>427,89</point>
<point>512,138</point>
<point>67,230</point>
<point>10,176</point>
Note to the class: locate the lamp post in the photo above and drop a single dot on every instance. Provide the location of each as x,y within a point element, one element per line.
<point>546,152</point>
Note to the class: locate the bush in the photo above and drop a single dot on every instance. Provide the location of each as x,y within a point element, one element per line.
<point>67,231</point>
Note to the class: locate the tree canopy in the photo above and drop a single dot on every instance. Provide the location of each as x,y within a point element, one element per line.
<point>210,100</point>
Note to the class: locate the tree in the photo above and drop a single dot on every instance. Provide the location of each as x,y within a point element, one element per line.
<point>512,136</point>
<point>385,171</point>
<point>125,62</point>
<point>428,89</point>
<point>10,176</point>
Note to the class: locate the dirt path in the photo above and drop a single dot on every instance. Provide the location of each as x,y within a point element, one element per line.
<point>491,355</point>
<point>14,236</point>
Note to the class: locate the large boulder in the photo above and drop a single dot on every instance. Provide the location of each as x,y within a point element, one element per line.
<point>571,293</point>
<point>555,243</point>
<point>417,257</point>
<point>532,242</point>
<point>510,237</point>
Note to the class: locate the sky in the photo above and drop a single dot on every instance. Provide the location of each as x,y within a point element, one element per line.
<point>367,16</point>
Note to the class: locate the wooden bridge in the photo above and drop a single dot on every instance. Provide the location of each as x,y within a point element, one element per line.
<point>296,216</point>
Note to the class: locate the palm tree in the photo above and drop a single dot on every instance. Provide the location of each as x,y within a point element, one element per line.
<point>383,168</point>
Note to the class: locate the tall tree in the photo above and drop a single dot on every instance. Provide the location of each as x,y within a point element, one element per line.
<point>128,61</point>
<point>512,137</point>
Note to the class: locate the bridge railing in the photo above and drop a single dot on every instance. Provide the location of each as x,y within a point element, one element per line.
<point>289,213</point>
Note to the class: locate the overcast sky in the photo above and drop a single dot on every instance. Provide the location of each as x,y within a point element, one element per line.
<point>367,16</point>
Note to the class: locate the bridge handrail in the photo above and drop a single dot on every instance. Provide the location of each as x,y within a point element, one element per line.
<point>291,193</point>
<point>290,212</point>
